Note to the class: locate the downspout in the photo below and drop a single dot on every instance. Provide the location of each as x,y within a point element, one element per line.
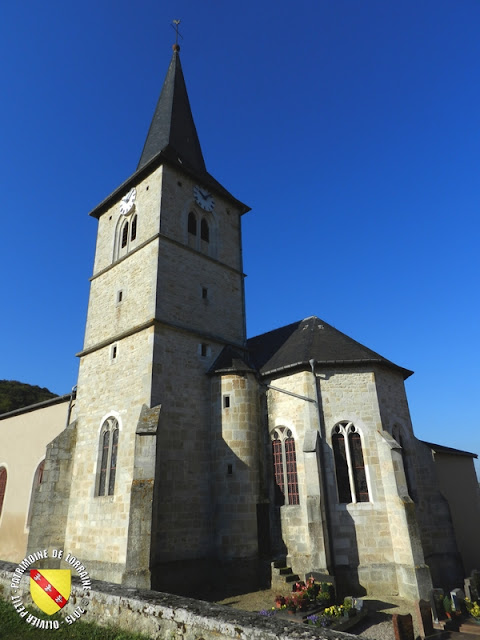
<point>323,482</point>
<point>73,395</point>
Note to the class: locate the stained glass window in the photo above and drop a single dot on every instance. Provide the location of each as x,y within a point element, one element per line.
<point>108,457</point>
<point>358,467</point>
<point>3,486</point>
<point>341,467</point>
<point>292,478</point>
<point>350,472</point>
<point>285,467</point>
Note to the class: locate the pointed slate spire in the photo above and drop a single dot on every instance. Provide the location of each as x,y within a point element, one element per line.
<point>172,129</point>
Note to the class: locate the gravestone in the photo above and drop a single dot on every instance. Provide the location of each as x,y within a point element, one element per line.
<point>403,626</point>
<point>424,618</point>
<point>475,585</point>
<point>458,598</point>
<point>436,603</point>
<point>470,590</point>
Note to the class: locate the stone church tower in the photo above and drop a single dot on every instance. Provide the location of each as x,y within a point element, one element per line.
<point>197,454</point>
<point>167,294</point>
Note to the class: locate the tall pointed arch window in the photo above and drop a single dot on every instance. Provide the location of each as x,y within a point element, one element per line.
<point>125,235</point>
<point>37,481</point>
<point>108,448</point>
<point>350,472</point>
<point>3,486</point>
<point>204,231</point>
<point>285,467</point>
<point>192,224</point>
<point>133,231</point>
<point>126,229</point>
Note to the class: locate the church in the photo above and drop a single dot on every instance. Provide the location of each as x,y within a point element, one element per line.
<point>192,451</point>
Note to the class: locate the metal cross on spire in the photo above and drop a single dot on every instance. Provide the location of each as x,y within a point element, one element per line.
<point>177,33</point>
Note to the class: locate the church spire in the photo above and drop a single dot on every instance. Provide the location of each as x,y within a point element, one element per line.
<point>172,129</point>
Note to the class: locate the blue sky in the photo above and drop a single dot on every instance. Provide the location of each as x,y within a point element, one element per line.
<point>351,127</point>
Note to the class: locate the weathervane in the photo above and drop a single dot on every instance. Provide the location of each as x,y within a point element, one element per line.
<point>177,33</point>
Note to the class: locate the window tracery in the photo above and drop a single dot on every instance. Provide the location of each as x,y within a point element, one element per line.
<point>108,448</point>
<point>285,467</point>
<point>352,485</point>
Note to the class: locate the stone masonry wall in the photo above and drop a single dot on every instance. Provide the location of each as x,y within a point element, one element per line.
<point>301,526</point>
<point>361,533</point>
<point>51,498</point>
<point>162,615</point>
<point>236,465</point>
<point>148,211</point>
<point>98,525</point>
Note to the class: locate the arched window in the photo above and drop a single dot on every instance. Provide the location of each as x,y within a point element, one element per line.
<point>108,446</point>
<point>192,224</point>
<point>133,233</point>
<point>350,470</point>
<point>284,467</point>
<point>125,235</point>
<point>204,231</point>
<point>37,481</point>
<point>341,466</point>
<point>3,486</point>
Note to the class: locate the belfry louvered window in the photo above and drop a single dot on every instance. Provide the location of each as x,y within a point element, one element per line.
<point>192,224</point>
<point>133,232</point>
<point>125,235</point>
<point>350,472</point>
<point>285,467</point>
<point>108,457</point>
<point>204,231</point>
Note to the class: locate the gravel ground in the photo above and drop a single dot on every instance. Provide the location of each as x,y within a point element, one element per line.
<point>376,626</point>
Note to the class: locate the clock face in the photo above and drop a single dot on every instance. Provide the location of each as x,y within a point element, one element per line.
<point>203,198</point>
<point>128,202</point>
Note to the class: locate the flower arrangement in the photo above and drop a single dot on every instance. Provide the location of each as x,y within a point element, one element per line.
<point>279,601</point>
<point>335,611</point>
<point>473,608</point>
<point>318,621</point>
<point>312,588</point>
<point>447,605</point>
<point>291,603</point>
<point>267,612</point>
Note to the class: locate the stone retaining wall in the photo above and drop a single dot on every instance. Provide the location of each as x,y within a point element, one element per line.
<point>166,616</point>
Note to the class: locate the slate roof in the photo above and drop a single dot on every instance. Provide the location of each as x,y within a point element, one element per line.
<point>172,138</point>
<point>231,360</point>
<point>294,345</point>
<point>172,123</point>
<point>439,448</point>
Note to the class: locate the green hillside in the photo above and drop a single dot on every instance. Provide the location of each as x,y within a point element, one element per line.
<point>15,395</point>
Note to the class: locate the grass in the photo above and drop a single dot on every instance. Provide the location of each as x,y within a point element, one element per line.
<point>12,627</point>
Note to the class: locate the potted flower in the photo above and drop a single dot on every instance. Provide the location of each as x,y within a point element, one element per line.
<point>279,601</point>
<point>323,598</point>
<point>303,600</point>
<point>447,605</point>
<point>348,609</point>
<point>291,604</point>
<point>473,609</point>
<point>312,589</point>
